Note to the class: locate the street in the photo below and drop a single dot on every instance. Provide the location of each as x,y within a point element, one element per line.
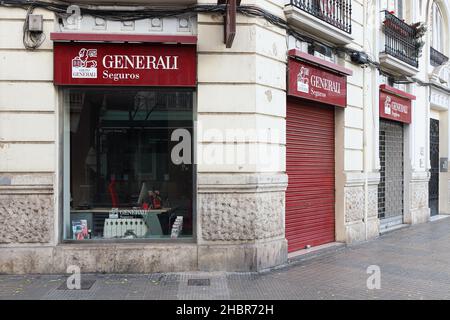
<point>414,264</point>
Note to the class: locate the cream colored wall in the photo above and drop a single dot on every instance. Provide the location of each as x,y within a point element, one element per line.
<point>28,128</point>
<point>27,98</point>
<point>435,115</point>
<point>438,112</point>
<point>444,177</point>
<point>242,88</point>
<point>357,188</point>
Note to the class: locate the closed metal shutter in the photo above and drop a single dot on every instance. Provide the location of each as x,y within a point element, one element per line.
<point>391,187</point>
<point>310,197</point>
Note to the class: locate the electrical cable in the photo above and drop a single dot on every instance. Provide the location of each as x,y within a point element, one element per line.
<point>145,12</point>
<point>31,40</point>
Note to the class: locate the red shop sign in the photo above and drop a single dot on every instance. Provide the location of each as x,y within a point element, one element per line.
<point>125,64</point>
<point>395,104</point>
<point>309,80</point>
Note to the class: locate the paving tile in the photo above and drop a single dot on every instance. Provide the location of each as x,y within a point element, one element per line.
<point>414,264</point>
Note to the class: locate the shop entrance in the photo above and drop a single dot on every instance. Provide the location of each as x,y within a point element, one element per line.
<point>310,197</point>
<point>433,186</point>
<point>391,187</point>
<point>316,88</point>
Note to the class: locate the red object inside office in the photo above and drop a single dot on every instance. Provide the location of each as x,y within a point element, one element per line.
<point>310,197</point>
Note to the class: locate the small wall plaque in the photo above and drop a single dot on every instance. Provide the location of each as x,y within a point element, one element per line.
<point>444,165</point>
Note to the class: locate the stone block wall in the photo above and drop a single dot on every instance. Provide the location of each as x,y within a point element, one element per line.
<point>419,206</point>
<point>27,134</point>
<point>241,217</point>
<point>27,210</point>
<point>241,221</point>
<point>241,201</point>
<point>26,218</point>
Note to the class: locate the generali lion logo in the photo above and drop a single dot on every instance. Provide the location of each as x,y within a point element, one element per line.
<point>84,66</point>
<point>303,80</point>
<point>388,106</point>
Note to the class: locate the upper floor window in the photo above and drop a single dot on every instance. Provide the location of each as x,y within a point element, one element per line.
<point>438,42</point>
<point>438,29</point>
<point>394,6</point>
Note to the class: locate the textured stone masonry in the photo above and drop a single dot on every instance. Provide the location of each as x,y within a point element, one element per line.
<point>246,216</point>
<point>26,218</point>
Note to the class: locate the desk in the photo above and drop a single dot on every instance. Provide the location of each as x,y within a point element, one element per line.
<point>109,210</point>
<point>150,217</point>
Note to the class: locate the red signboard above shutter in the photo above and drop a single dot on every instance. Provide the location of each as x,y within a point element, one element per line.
<point>395,104</point>
<point>125,64</point>
<point>317,80</point>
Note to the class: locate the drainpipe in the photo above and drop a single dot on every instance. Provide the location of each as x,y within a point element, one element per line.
<point>371,115</point>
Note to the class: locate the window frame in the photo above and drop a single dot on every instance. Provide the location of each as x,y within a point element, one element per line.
<point>64,174</point>
<point>438,39</point>
<point>397,6</point>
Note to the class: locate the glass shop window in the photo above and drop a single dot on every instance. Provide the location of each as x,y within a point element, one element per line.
<point>128,164</point>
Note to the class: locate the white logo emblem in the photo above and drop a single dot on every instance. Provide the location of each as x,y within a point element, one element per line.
<point>84,66</point>
<point>303,81</point>
<point>387,106</point>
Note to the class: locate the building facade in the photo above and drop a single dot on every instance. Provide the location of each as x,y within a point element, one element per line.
<point>135,139</point>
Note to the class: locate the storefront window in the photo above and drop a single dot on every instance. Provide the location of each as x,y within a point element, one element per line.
<point>121,180</point>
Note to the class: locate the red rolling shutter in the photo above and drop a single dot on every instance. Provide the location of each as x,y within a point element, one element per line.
<point>310,197</point>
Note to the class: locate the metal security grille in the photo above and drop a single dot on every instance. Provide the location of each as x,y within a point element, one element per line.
<point>433,186</point>
<point>390,189</point>
<point>338,13</point>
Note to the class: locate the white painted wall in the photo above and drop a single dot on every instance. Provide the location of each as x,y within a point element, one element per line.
<point>242,89</point>
<point>439,101</point>
<point>27,98</point>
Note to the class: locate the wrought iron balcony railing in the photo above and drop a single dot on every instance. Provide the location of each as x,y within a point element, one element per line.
<point>437,58</point>
<point>337,13</point>
<point>400,40</point>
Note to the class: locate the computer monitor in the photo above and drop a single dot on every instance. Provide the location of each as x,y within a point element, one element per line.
<point>143,194</point>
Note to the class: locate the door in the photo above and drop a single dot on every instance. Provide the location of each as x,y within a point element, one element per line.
<point>433,186</point>
<point>310,197</point>
<point>391,187</point>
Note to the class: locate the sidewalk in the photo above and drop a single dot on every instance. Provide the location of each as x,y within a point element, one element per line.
<point>414,263</point>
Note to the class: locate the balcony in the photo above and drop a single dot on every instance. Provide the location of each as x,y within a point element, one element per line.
<point>437,58</point>
<point>401,52</point>
<point>330,20</point>
<point>337,13</point>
